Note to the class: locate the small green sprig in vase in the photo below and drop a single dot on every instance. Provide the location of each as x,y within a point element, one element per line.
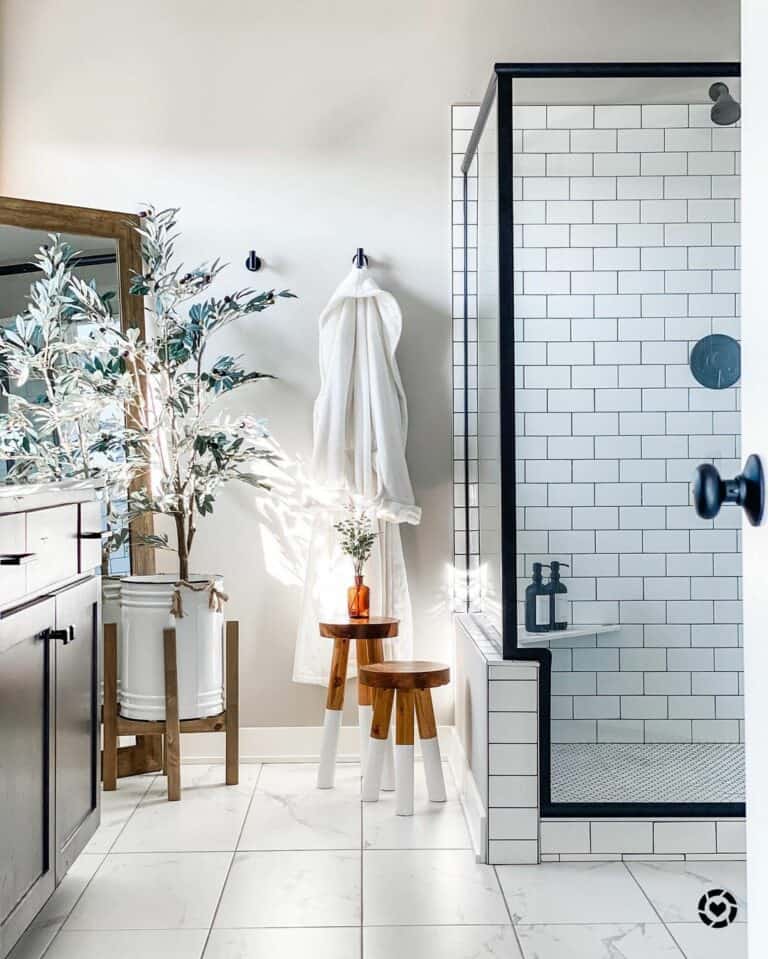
<point>357,537</point>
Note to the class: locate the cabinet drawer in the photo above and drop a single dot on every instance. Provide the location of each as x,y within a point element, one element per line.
<point>52,537</point>
<point>91,525</point>
<point>13,542</point>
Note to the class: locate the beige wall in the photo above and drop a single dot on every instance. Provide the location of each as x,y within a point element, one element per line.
<point>300,129</point>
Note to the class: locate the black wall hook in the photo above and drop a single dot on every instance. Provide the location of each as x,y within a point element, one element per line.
<point>253,263</point>
<point>360,259</point>
<point>746,490</point>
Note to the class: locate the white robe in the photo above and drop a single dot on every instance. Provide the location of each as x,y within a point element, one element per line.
<point>360,431</point>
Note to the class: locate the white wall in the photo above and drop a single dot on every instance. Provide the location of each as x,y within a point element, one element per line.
<point>301,130</point>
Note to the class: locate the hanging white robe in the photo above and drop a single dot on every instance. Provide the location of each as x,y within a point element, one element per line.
<point>360,431</point>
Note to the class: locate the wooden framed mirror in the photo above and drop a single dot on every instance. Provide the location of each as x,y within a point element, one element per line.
<point>109,253</point>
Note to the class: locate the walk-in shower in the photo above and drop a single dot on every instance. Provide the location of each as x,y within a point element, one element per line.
<point>601,245</point>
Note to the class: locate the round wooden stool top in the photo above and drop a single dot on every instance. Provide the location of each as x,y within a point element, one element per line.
<point>375,627</point>
<point>405,675</point>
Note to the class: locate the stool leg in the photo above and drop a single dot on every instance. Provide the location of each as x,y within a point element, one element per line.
<point>172,728</point>
<point>364,701</point>
<point>430,748</point>
<point>334,704</point>
<point>109,757</point>
<point>382,718</point>
<point>404,753</point>
<point>232,721</point>
<point>376,655</point>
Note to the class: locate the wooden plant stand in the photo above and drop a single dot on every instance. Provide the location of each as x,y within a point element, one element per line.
<point>169,729</point>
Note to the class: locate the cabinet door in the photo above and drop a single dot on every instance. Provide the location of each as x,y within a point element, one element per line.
<point>77,722</point>
<point>26,761</point>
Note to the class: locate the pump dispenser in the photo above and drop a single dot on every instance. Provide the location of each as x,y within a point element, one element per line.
<point>537,616</point>
<point>559,605</point>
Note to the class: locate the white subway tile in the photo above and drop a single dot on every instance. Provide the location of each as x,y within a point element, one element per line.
<point>571,494</point>
<point>665,115</point>
<point>594,564</point>
<point>691,707</point>
<point>618,353</point>
<point>667,587</point>
<point>599,328</point>
<point>512,823</point>
<point>620,588</point>
<point>529,211</point>
<point>530,306</point>
<point>627,258</point>
<point>511,727</point>
<point>658,352</point>
<point>572,305</point>
<point>729,707</point>
<point>731,836</point>
<point>618,684</point>
<point>640,188</point>
<point>546,235</point>
<point>711,211</point>
<point>595,377</point>
<point>726,281</point>
<point>618,116</point>
<point>668,731</point>
<point>617,211</point>
<point>546,141</point>
<point>569,164</point>
<point>641,281</point>
<point>619,541</point>
<point>570,354</point>
<point>640,141</point>
<point>564,836</point>
<point>688,140</point>
<point>569,211</point>
<point>595,424</point>
<point>726,138</point>
<point>567,259</point>
<point>644,707</point>
<point>570,117</point>
<point>688,281</point>
<point>663,258</point>
<point>573,730</point>
<point>570,447</point>
<point>642,564</point>
<point>513,759</point>
<point>663,164</point>
<point>664,211</point>
<point>640,234</point>
<point>545,188</point>
<point>711,163</point>
<point>596,707</point>
<point>594,235</point>
<point>607,400</point>
<point>715,731</point>
<point>688,234</point>
<point>512,852</point>
<point>616,164</point>
<point>729,659</point>
<point>642,424</point>
<point>686,837</point>
<point>529,164</point>
<point>619,305</point>
<point>593,188</point>
<point>513,791</point>
<point>593,141</point>
<point>685,187</point>
<point>548,281</point>
<point>529,117</point>
<point>622,837</point>
<point>666,684</point>
<point>726,234</point>
<point>641,376</point>
<point>547,471</point>
<point>620,730</point>
<point>714,304</point>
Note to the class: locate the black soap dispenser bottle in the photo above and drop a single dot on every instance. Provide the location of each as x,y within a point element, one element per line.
<point>537,603</point>
<point>559,605</point>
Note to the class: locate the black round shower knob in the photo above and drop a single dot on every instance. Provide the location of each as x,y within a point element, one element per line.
<point>710,491</point>
<point>253,262</point>
<point>716,361</point>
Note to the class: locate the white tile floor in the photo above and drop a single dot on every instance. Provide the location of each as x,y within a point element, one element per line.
<point>276,868</point>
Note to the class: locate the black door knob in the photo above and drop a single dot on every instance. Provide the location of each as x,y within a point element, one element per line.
<point>747,490</point>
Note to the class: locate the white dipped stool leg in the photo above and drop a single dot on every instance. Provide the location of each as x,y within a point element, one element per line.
<point>334,703</point>
<point>404,722</point>
<point>365,715</point>
<point>388,774</point>
<point>430,748</point>
<point>328,749</point>
<point>378,744</point>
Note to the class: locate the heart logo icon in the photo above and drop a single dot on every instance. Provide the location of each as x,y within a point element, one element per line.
<point>717,908</point>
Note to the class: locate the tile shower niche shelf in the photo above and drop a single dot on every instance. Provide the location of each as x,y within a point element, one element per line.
<point>524,638</point>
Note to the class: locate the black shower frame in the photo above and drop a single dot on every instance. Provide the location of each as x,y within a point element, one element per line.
<point>505,75</point>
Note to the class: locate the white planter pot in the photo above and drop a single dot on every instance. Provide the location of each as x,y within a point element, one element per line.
<point>145,603</point>
<point>110,613</point>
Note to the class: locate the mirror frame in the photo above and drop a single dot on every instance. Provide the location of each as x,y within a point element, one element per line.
<point>121,227</point>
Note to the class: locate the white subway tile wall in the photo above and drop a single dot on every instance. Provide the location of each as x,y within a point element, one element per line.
<point>626,257</point>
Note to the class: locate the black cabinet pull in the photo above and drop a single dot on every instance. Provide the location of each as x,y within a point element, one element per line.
<point>710,491</point>
<point>64,636</point>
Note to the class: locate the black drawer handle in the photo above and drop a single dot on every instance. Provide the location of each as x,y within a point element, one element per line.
<point>64,636</point>
<point>17,559</point>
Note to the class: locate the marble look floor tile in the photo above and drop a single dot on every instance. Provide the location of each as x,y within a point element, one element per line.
<point>288,811</point>
<point>440,942</point>
<point>579,892</point>
<point>675,888</point>
<point>432,825</point>
<point>208,818</point>
<point>323,943</point>
<point>425,887</point>
<point>698,941</point>
<point>292,888</point>
<point>149,944</point>
<point>598,941</point>
<point>152,891</point>
<point>117,807</point>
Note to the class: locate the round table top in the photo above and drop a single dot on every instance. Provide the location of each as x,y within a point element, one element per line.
<point>405,675</point>
<point>374,627</point>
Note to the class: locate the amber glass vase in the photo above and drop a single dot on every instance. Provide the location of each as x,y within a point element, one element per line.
<point>358,600</point>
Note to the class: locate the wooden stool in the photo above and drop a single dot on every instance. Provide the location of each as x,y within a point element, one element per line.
<point>412,681</point>
<point>171,727</point>
<point>369,635</point>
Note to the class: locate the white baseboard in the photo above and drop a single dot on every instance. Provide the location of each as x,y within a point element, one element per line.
<point>474,811</point>
<point>282,744</point>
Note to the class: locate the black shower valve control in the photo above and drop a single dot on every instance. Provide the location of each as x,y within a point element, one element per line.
<point>747,490</point>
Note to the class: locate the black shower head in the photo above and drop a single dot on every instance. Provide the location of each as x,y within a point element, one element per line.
<point>726,110</point>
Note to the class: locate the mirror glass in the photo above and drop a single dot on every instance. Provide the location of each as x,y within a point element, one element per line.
<point>97,263</point>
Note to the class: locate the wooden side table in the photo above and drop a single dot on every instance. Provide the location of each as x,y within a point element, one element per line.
<point>368,635</point>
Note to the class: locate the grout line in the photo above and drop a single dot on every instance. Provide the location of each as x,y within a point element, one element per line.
<point>509,911</point>
<point>650,903</point>
<point>232,860</point>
